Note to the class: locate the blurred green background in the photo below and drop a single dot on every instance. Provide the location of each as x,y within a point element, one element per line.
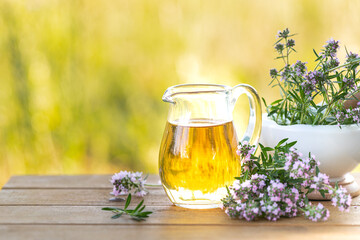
<point>82,80</point>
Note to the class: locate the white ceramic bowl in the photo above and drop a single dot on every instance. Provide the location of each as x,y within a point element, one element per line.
<point>337,149</point>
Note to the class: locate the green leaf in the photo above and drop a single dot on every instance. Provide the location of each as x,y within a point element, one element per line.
<point>322,193</point>
<point>277,101</point>
<point>272,112</point>
<point>128,200</point>
<point>322,108</point>
<point>117,215</point>
<point>263,99</point>
<point>270,159</point>
<point>139,205</point>
<point>295,96</point>
<point>109,209</point>
<point>281,142</point>
<point>317,170</point>
<point>141,209</point>
<point>136,218</point>
<point>289,145</point>
<point>315,53</point>
<point>261,146</point>
<point>146,213</point>
<point>228,190</point>
<point>266,149</point>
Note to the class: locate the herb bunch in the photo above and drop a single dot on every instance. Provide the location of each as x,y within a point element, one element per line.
<point>137,214</point>
<point>328,83</point>
<point>277,183</point>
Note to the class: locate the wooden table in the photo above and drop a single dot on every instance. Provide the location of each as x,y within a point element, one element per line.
<point>69,207</point>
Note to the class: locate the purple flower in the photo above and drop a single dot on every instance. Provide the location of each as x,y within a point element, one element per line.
<point>290,43</point>
<point>245,150</point>
<point>279,47</point>
<point>299,167</point>
<point>316,213</point>
<point>351,57</point>
<point>308,87</point>
<point>331,48</point>
<point>312,79</point>
<point>273,73</point>
<point>319,182</point>
<point>275,190</point>
<point>349,83</point>
<point>333,62</point>
<point>285,73</point>
<point>284,33</point>
<point>341,199</point>
<point>124,182</point>
<point>315,77</point>
<point>348,116</point>
<point>300,68</point>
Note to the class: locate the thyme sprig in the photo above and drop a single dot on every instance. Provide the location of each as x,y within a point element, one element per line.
<point>137,214</point>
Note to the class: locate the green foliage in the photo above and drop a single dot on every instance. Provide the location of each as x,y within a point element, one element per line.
<point>136,214</point>
<point>329,83</point>
<point>270,162</point>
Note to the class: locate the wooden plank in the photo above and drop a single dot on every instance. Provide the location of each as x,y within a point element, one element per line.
<point>78,197</point>
<point>168,215</point>
<point>110,232</point>
<point>83,197</point>
<point>65,181</point>
<point>75,181</point>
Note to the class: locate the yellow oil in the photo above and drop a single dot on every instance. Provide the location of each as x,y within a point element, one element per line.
<point>197,161</point>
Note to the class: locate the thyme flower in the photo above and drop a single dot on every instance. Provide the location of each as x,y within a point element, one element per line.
<point>290,43</point>
<point>279,47</point>
<point>300,68</point>
<point>273,73</point>
<point>351,115</point>
<point>284,33</point>
<point>332,63</point>
<point>350,57</point>
<point>330,49</point>
<point>124,182</point>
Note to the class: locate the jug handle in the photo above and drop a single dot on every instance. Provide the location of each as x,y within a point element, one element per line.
<point>252,133</point>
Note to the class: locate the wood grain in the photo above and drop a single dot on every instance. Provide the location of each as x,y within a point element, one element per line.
<point>110,232</point>
<point>64,207</point>
<point>79,197</point>
<point>65,181</point>
<point>83,197</point>
<point>169,215</point>
<point>75,181</point>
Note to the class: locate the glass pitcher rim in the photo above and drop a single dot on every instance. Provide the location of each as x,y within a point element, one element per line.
<point>170,91</point>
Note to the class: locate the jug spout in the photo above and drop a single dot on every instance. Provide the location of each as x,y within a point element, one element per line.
<point>167,97</point>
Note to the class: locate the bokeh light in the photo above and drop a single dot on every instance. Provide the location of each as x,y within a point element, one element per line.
<point>82,81</point>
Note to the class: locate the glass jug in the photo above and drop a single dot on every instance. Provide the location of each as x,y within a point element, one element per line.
<point>198,157</point>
